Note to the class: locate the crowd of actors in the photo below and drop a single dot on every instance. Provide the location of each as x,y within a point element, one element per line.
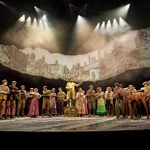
<point>114,101</point>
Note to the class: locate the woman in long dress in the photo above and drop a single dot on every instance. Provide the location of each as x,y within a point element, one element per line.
<point>34,105</point>
<point>53,102</point>
<point>81,103</point>
<point>101,109</point>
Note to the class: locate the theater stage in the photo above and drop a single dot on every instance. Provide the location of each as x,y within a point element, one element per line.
<point>75,124</point>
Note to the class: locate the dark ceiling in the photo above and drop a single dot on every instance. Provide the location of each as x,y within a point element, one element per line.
<point>66,11</point>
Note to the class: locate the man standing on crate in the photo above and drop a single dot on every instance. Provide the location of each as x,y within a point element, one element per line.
<point>71,91</point>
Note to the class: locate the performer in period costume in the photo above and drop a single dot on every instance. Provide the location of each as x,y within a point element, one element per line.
<point>22,101</point>
<point>146,90</point>
<point>91,99</point>
<point>71,91</point>
<point>101,109</point>
<point>119,100</point>
<point>13,99</point>
<point>132,101</point>
<point>81,103</point>
<point>61,97</point>
<point>53,102</point>
<point>34,105</point>
<point>109,101</point>
<point>46,105</point>
<point>4,91</point>
<point>28,101</point>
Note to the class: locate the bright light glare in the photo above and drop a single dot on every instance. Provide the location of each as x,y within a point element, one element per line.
<point>97,27</point>
<point>123,24</point>
<point>44,17</point>
<point>29,19</point>
<point>22,18</point>
<point>102,28</point>
<point>123,11</point>
<point>108,27</point>
<point>115,25</point>
<point>80,20</point>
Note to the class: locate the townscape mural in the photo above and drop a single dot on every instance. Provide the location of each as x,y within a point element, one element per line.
<point>125,52</point>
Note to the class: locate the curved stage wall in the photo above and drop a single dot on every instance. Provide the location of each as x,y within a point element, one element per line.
<point>125,59</point>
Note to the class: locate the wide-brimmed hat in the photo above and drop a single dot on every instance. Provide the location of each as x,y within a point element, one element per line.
<point>144,83</point>
<point>116,84</point>
<point>22,86</point>
<point>4,81</point>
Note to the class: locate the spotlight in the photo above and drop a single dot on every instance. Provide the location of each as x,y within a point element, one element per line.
<point>123,11</point>
<point>102,28</point>
<point>44,17</point>
<point>39,11</point>
<point>127,7</point>
<point>108,27</point>
<point>80,20</point>
<point>124,25</point>
<point>97,27</point>
<point>22,18</point>
<point>34,21</point>
<point>115,25</point>
<point>2,3</point>
<point>29,19</point>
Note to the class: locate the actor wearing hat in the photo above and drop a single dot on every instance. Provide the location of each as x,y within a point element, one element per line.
<point>21,101</point>
<point>13,99</point>
<point>4,91</point>
<point>91,99</point>
<point>46,105</point>
<point>61,96</point>
<point>146,90</point>
<point>119,100</point>
<point>71,90</point>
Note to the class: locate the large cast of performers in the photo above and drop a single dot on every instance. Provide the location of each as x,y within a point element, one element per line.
<point>114,101</point>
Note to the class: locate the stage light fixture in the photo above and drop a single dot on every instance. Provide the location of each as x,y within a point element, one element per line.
<point>108,27</point>
<point>124,25</point>
<point>22,18</point>
<point>97,27</point>
<point>2,3</point>
<point>102,27</point>
<point>81,20</point>
<point>115,25</point>
<point>123,11</point>
<point>122,22</point>
<point>44,17</point>
<point>39,11</point>
<point>29,19</point>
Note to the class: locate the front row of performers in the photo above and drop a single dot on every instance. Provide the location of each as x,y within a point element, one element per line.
<point>115,101</point>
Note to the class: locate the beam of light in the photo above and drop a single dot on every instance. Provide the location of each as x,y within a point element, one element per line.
<point>108,27</point>
<point>82,31</point>
<point>123,11</point>
<point>44,17</point>
<point>39,11</point>
<point>22,18</point>
<point>80,20</point>
<point>97,27</point>
<point>118,12</point>
<point>28,21</point>
<point>115,26</point>
<point>2,3</point>
<point>35,24</point>
<point>123,24</point>
<point>102,28</point>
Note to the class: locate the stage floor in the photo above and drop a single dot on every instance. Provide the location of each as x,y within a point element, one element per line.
<point>67,124</point>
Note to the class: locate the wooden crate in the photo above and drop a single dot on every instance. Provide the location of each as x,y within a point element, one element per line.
<point>70,112</point>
